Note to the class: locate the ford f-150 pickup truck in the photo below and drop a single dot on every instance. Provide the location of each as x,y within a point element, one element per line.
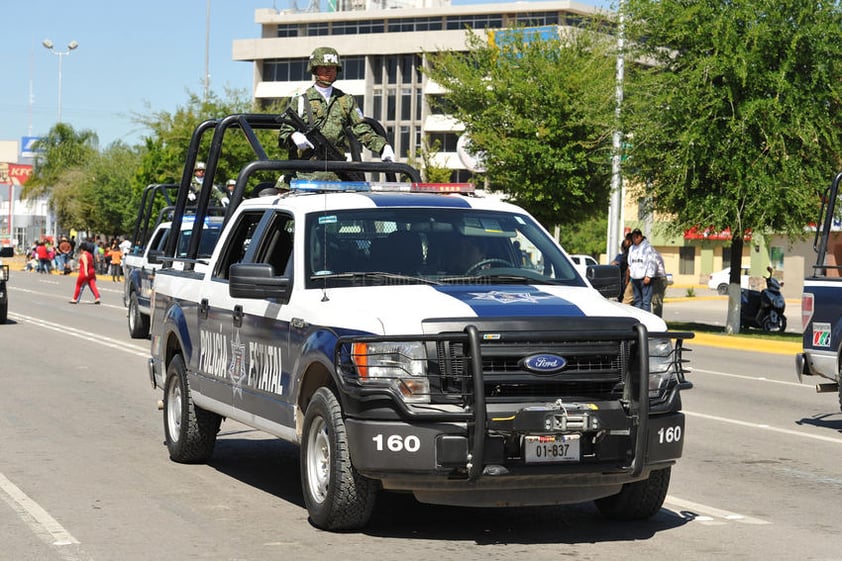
<point>417,338</point>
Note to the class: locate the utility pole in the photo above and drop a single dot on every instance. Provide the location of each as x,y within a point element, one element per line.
<point>615,208</point>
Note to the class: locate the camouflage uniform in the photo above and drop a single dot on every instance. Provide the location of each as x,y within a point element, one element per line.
<point>331,117</point>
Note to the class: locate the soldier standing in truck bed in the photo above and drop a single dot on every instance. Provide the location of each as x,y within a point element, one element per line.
<point>331,110</point>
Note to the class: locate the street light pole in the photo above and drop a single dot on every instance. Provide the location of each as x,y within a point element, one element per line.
<point>61,54</point>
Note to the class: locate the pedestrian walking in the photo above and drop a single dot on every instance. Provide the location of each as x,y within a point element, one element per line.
<point>87,273</point>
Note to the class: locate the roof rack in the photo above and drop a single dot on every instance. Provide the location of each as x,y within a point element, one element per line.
<point>248,124</point>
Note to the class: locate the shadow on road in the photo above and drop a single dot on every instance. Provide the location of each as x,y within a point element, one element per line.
<point>832,421</point>
<point>271,465</point>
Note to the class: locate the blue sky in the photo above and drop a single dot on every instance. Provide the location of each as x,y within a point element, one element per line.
<point>133,58</point>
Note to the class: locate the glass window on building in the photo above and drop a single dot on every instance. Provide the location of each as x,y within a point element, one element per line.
<point>287,30</point>
<point>404,25</point>
<point>377,104</point>
<point>285,70</point>
<point>446,140</point>
<point>419,103</point>
<point>391,70</point>
<point>317,29</point>
<point>687,260</point>
<point>534,19</point>
<point>406,103</point>
<point>485,21</point>
<point>376,63</point>
<point>353,68</point>
<point>391,104</point>
<point>407,63</point>
<point>404,142</point>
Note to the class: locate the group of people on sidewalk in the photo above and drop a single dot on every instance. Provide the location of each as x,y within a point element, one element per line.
<point>643,274</point>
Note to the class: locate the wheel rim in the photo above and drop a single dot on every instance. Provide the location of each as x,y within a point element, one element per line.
<point>318,460</point>
<point>174,411</point>
<point>132,312</point>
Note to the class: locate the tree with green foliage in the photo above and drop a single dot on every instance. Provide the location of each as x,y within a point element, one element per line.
<point>97,196</point>
<point>736,120</point>
<point>165,148</point>
<point>542,111</point>
<point>61,153</point>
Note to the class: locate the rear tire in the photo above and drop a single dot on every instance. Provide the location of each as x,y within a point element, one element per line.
<point>189,431</point>
<point>336,495</point>
<point>639,500</point>
<point>138,322</point>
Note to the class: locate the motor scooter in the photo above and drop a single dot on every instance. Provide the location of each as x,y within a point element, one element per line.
<point>763,309</point>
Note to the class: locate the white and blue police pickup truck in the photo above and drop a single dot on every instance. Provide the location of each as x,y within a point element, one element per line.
<point>418,338</point>
<point>141,265</point>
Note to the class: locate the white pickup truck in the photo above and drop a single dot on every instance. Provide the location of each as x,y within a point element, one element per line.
<point>416,338</point>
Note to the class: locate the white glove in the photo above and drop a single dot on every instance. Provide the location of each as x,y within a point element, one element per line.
<point>301,141</point>
<point>191,196</point>
<point>387,155</point>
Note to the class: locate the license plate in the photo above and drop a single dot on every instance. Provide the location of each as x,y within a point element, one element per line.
<point>548,449</point>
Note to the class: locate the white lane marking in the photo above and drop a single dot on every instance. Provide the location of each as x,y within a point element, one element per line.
<point>709,514</point>
<point>788,432</point>
<point>754,378</point>
<point>32,513</point>
<point>53,295</point>
<point>115,344</point>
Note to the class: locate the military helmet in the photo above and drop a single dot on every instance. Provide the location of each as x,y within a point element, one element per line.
<point>199,166</point>
<point>324,56</point>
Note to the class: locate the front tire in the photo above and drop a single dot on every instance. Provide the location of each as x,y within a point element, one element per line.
<point>138,322</point>
<point>722,289</point>
<point>189,431</point>
<point>639,500</point>
<point>336,495</point>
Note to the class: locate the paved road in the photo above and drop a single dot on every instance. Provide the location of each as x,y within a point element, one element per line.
<point>83,474</point>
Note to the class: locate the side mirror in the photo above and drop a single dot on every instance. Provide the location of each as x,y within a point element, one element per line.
<point>153,256</point>
<point>257,281</point>
<point>605,279</point>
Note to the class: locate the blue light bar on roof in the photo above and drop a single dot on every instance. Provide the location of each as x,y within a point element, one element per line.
<point>309,185</point>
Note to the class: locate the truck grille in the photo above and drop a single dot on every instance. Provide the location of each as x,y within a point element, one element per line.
<point>594,370</point>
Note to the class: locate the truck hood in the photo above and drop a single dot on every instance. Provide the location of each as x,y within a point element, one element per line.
<point>402,309</point>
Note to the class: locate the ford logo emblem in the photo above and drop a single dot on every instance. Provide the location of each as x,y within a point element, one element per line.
<point>543,363</point>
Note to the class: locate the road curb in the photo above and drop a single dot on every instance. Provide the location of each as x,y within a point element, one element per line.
<point>745,344</point>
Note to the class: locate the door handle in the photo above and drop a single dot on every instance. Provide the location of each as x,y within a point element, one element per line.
<point>203,309</point>
<point>238,316</point>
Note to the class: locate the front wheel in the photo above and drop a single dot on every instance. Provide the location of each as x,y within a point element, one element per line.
<point>189,431</point>
<point>639,500</point>
<point>337,497</point>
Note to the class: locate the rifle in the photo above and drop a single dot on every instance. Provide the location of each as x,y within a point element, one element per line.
<point>322,149</point>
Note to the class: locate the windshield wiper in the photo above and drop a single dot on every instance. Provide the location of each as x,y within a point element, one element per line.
<point>380,275</point>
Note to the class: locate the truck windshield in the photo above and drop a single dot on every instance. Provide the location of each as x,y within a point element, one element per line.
<point>464,246</point>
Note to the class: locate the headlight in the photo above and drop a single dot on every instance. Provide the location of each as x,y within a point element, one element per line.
<point>661,366</point>
<point>402,365</point>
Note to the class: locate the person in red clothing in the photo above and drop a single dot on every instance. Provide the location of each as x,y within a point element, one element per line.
<point>87,273</point>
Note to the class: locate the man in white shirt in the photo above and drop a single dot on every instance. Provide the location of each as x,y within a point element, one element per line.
<point>642,269</point>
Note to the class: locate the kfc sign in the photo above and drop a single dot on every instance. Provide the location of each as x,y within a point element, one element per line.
<point>14,174</point>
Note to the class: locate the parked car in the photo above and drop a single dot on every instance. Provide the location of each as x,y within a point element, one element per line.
<point>582,262</point>
<point>719,280</point>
